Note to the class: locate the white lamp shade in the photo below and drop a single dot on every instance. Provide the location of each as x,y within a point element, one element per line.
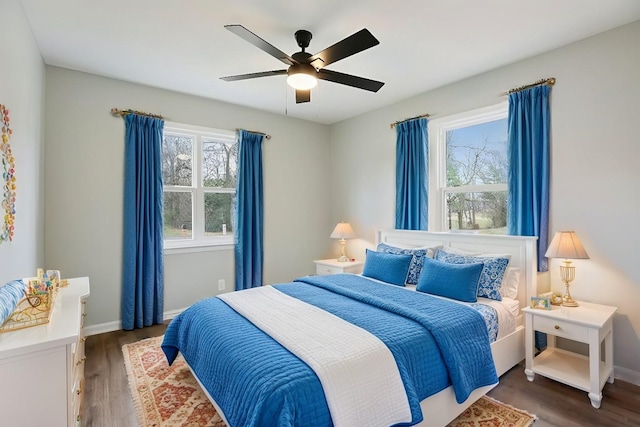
<point>565,244</point>
<point>343,231</point>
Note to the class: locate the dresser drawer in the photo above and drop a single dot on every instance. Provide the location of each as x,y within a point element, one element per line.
<point>561,328</point>
<point>325,269</point>
<point>78,399</point>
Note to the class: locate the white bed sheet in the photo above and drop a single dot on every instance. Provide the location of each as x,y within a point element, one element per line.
<point>513,305</point>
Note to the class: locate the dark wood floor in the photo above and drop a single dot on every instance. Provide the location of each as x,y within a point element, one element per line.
<point>107,400</point>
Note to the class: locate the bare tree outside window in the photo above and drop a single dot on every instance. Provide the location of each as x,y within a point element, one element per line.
<point>477,171</point>
<point>199,170</point>
<point>219,171</point>
<point>177,171</point>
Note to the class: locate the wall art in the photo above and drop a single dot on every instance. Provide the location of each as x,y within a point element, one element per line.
<point>8,183</point>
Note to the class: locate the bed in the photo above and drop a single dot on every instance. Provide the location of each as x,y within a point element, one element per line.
<point>258,373</point>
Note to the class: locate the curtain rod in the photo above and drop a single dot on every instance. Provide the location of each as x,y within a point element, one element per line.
<point>266,135</point>
<point>122,113</point>
<point>550,81</point>
<point>394,124</point>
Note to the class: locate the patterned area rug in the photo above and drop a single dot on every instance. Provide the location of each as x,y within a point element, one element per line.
<point>488,412</point>
<point>163,395</point>
<point>169,396</point>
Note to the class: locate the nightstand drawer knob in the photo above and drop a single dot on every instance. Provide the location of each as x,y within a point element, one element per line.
<point>557,326</point>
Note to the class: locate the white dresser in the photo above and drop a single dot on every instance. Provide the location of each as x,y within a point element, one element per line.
<point>42,367</point>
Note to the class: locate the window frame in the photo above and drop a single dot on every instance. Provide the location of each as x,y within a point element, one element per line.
<point>199,242</point>
<point>437,186</point>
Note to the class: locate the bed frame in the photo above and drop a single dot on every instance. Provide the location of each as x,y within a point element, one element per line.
<point>442,408</point>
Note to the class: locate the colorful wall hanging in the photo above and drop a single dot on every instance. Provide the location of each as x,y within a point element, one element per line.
<point>8,179</point>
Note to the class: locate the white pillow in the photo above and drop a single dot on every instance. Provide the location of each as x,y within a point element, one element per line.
<point>457,251</point>
<point>510,283</point>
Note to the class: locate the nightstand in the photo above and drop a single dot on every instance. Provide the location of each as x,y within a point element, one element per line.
<point>333,266</point>
<point>589,323</point>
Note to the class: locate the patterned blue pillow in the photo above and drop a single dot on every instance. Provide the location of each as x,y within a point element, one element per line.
<point>390,268</point>
<point>10,296</point>
<point>492,273</point>
<point>457,281</point>
<point>416,263</point>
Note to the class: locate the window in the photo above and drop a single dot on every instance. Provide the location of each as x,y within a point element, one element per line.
<point>468,171</point>
<point>199,169</point>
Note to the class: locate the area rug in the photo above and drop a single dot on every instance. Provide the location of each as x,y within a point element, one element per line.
<point>488,412</point>
<point>163,395</point>
<point>169,396</point>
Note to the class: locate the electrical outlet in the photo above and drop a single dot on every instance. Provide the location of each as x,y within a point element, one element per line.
<point>221,285</point>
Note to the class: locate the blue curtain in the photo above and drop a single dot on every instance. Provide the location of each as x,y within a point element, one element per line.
<point>411,175</point>
<point>249,212</point>
<point>528,188</point>
<point>142,264</point>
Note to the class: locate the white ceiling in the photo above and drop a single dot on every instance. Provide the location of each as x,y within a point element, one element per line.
<point>182,45</point>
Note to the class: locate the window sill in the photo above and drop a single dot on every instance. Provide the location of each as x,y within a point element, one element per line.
<point>205,247</point>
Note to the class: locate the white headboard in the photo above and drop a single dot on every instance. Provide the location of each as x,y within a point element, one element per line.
<point>522,250</point>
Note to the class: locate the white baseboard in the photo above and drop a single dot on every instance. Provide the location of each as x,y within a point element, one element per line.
<point>627,375</point>
<point>117,324</point>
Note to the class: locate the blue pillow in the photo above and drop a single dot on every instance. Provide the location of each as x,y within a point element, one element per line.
<point>390,268</point>
<point>492,273</point>
<point>416,263</point>
<point>456,281</point>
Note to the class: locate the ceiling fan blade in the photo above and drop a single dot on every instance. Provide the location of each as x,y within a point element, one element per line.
<point>350,80</point>
<point>351,45</point>
<point>253,75</point>
<point>258,42</point>
<point>303,95</point>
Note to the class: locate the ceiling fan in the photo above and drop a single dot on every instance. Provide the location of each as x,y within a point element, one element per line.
<point>304,68</point>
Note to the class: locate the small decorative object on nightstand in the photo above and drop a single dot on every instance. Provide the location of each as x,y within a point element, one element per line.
<point>589,323</point>
<point>565,244</point>
<point>332,266</point>
<point>343,231</point>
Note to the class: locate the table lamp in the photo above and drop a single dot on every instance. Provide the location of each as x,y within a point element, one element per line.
<point>343,231</point>
<point>565,244</point>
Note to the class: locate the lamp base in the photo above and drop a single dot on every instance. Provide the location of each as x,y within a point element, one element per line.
<point>343,253</point>
<point>568,273</point>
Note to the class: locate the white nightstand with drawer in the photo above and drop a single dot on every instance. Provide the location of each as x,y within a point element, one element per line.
<point>589,323</point>
<point>333,266</point>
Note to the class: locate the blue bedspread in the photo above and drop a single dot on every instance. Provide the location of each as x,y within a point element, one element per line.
<point>256,382</point>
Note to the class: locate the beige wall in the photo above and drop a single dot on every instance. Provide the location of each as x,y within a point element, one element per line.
<point>594,160</point>
<point>22,78</point>
<point>84,173</point>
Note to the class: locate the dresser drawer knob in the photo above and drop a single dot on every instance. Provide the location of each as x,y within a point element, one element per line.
<point>557,326</point>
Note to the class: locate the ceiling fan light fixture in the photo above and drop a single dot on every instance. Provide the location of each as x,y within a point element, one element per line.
<point>302,81</point>
<point>300,76</point>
